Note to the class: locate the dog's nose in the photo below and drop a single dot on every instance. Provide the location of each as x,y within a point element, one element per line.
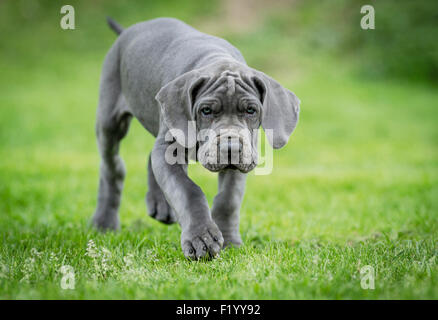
<point>234,146</point>
<point>230,150</point>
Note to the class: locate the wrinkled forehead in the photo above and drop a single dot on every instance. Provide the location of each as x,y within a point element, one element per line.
<point>229,84</point>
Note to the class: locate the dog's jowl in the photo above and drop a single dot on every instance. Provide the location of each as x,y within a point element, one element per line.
<point>196,91</point>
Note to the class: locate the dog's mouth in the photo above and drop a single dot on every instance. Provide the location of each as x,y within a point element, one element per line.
<point>244,168</point>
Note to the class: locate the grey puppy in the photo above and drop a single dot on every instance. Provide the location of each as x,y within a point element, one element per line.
<point>172,77</point>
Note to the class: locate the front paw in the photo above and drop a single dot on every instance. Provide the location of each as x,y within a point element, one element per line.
<point>202,240</point>
<point>105,221</point>
<point>233,240</point>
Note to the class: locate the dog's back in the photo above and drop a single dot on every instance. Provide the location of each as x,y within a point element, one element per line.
<point>172,45</point>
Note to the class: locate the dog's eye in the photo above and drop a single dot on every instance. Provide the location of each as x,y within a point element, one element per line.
<point>251,109</point>
<point>206,110</point>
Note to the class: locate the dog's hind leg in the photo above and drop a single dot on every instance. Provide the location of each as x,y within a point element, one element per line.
<point>113,119</point>
<point>158,207</point>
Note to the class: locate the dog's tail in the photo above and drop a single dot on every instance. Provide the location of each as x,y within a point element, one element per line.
<point>114,25</point>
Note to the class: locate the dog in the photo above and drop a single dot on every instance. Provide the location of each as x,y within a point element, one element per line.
<point>179,82</point>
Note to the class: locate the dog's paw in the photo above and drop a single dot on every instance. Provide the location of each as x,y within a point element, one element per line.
<point>105,222</point>
<point>232,241</point>
<point>202,241</point>
<point>159,209</point>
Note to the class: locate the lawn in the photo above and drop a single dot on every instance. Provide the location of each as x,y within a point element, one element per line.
<point>356,186</point>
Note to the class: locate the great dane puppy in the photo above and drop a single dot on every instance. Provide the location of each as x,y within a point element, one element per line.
<point>175,79</point>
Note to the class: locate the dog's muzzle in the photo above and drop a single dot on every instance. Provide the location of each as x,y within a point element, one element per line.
<point>231,149</point>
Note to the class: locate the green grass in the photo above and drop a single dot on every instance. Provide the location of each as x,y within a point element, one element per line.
<point>356,185</point>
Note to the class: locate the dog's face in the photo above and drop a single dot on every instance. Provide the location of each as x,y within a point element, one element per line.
<point>227,111</point>
<point>228,102</point>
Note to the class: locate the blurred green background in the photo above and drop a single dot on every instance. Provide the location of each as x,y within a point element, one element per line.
<point>355,186</point>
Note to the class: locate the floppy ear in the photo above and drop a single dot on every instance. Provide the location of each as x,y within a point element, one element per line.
<point>280,111</point>
<point>176,100</point>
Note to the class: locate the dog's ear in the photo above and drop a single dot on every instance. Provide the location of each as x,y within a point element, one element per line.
<point>176,100</point>
<point>280,111</point>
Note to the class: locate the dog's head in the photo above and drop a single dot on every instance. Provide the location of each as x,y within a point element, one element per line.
<point>227,101</point>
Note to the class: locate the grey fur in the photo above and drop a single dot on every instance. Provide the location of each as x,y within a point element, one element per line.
<point>164,72</point>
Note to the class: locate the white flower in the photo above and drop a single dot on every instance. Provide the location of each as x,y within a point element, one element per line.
<point>91,249</point>
<point>28,269</point>
<point>101,257</point>
<point>35,253</point>
<point>128,260</point>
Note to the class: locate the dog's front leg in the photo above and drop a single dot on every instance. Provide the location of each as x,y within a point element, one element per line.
<point>226,205</point>
<point>200,236</point>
